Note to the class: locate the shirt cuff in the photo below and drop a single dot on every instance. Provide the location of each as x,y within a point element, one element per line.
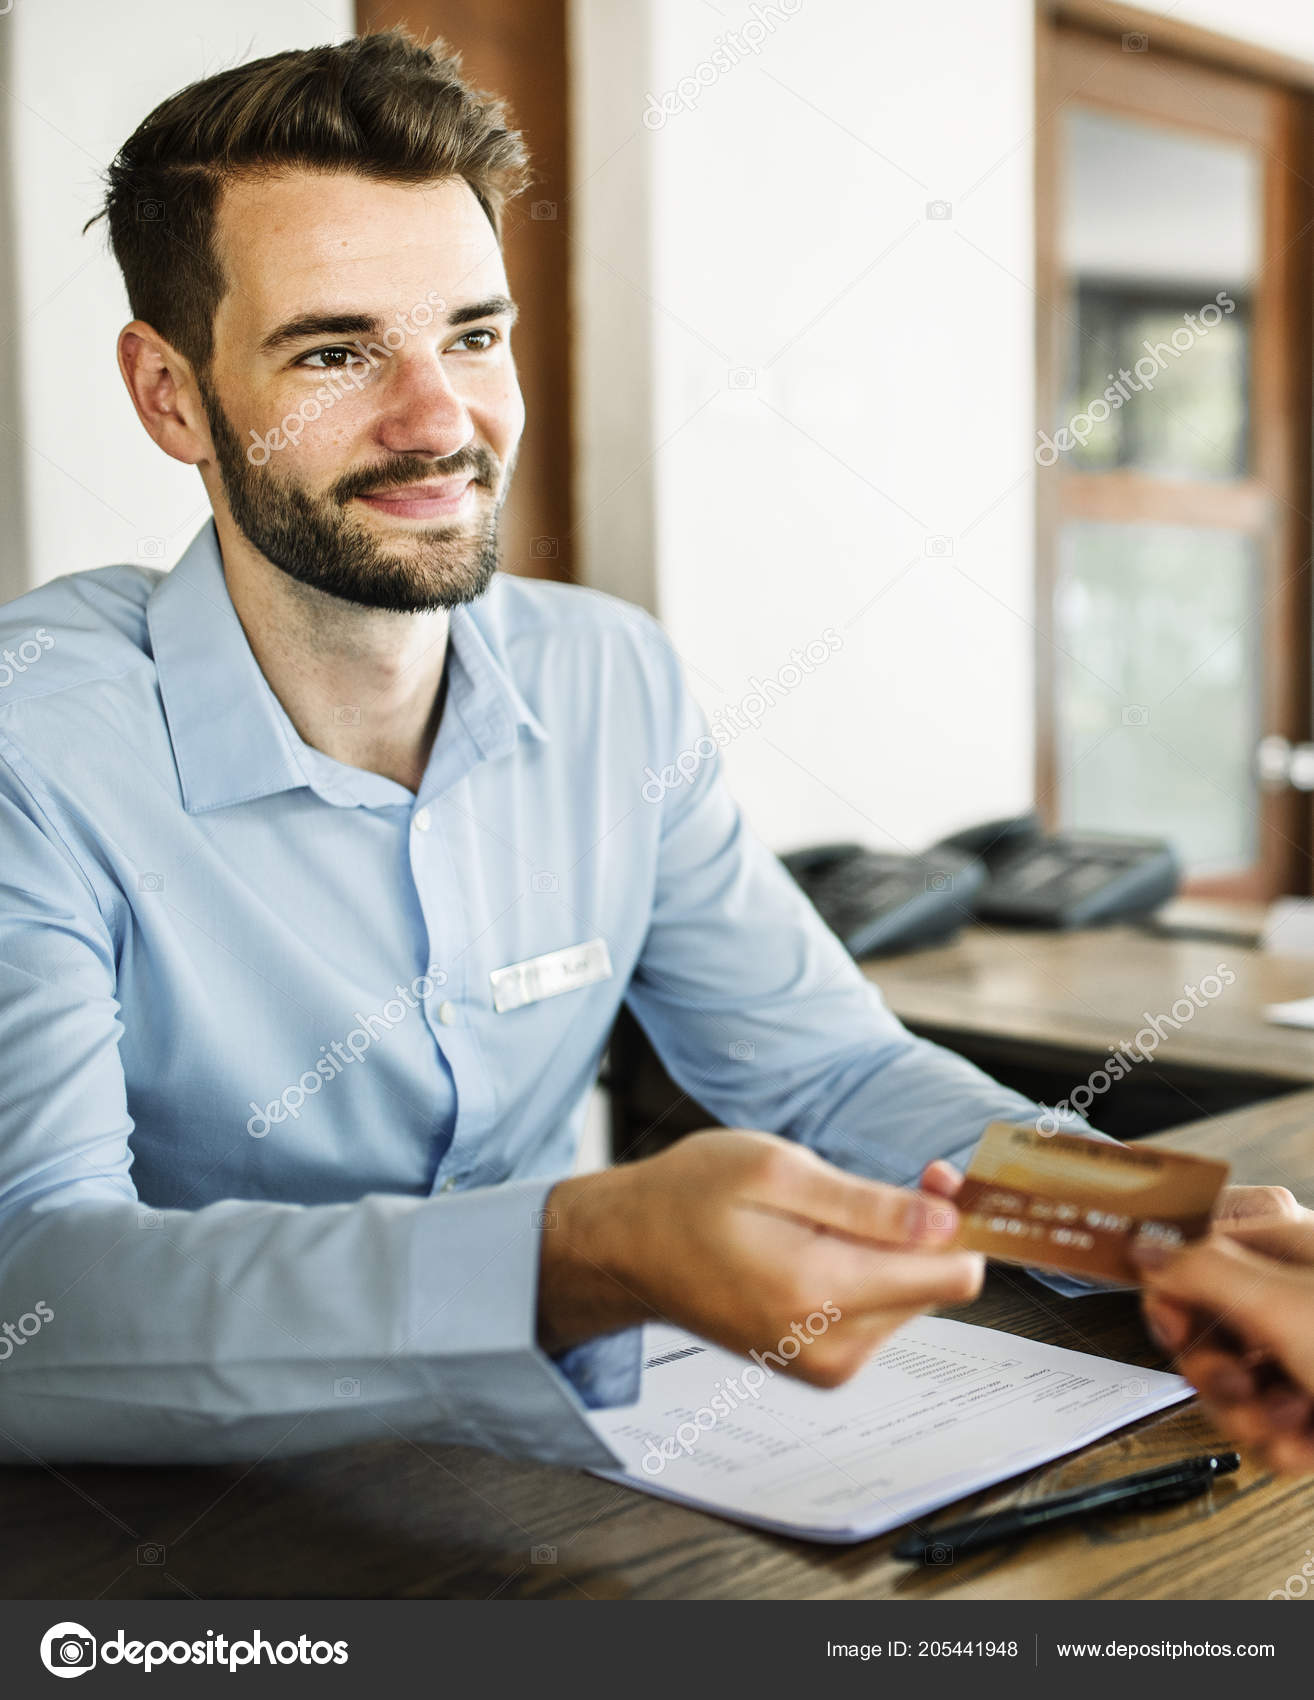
<point>606,1371</point>
<point>1071,1286</point>
<point>472,1328</point>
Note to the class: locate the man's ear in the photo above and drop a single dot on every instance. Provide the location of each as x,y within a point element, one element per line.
<point>164,392</point>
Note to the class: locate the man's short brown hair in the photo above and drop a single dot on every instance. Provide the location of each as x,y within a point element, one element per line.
<point>383,105</point>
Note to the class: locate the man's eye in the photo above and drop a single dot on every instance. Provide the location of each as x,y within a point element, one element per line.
<point>337,359</point>
<point>483,349</point>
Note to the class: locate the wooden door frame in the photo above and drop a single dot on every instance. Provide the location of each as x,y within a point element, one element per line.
<point>1282,386</point>
<point>517,50</point>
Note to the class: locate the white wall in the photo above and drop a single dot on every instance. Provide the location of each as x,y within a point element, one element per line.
<point>778,236</point>
<point>91,487</point>
<point>843,389</point>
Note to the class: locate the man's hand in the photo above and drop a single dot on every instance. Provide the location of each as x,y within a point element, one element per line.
<point>738,1236</point>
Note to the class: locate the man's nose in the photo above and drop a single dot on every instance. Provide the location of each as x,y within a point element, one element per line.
<point>425,414</point>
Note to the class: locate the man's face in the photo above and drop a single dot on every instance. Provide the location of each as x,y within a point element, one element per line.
<point>364,440</point>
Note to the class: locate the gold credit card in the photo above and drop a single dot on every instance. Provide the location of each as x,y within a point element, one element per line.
<point>1057,1201</point>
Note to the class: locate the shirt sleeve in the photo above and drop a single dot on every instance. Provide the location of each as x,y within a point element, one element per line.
<point>759,1012</point>
<point>606,1371</point>
<point>245,1328</point>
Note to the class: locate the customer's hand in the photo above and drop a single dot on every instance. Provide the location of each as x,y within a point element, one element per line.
<point>1237,1312</point>
<point>748,1240</point>
<point>1260,1206</point>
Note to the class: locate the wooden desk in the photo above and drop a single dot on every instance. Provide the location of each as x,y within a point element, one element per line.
<point>1090,991</point>
<point>1042,1010</point>
<point>400,1521</point>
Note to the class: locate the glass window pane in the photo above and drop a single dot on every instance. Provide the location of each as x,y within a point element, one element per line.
<point>1169,416</point>
<point>1159,241</point>
<point>1158,687</point>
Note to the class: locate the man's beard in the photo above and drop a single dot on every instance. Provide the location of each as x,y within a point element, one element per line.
<point>314,540</point>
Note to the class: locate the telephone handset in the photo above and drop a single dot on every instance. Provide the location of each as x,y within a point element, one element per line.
<point>1007,871</point>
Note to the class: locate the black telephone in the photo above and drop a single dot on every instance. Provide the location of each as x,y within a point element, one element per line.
<point>879,901</point>
<point>1008,871</point>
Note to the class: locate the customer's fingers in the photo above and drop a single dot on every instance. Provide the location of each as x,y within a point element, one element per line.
<point>1169,1324</point>
<point>1222,1277</point>
<point>1287,1410</point>
<point>1290,1454</point>
<point>1256,1203</point>
<point>1289,1242</point>
<point>1220,1378</point>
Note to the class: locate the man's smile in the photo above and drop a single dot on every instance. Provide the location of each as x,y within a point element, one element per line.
<point>424,501</point>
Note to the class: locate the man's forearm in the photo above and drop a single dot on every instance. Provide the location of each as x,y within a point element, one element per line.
<point>250,1327</point>
<point>915,1102</point>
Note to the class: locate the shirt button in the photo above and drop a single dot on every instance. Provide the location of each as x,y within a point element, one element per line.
<point>448,1185</point>
<point>422,820</point>
<point>447,1013</point>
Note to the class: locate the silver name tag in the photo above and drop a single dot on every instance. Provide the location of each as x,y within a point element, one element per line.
<point>546,976</point>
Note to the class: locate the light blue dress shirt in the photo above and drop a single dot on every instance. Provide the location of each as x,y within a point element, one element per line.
<point>269,1154</point>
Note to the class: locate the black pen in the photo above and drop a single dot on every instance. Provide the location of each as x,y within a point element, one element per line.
<point>1170,1484</point>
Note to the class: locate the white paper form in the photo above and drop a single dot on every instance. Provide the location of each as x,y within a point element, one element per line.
<point>942,1410</point>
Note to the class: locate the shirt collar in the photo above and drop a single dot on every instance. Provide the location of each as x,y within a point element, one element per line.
<point>232,739</point>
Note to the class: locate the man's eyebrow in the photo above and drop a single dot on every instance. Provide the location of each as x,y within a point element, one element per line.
<point>308,325</point>
<point>493,308</point>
